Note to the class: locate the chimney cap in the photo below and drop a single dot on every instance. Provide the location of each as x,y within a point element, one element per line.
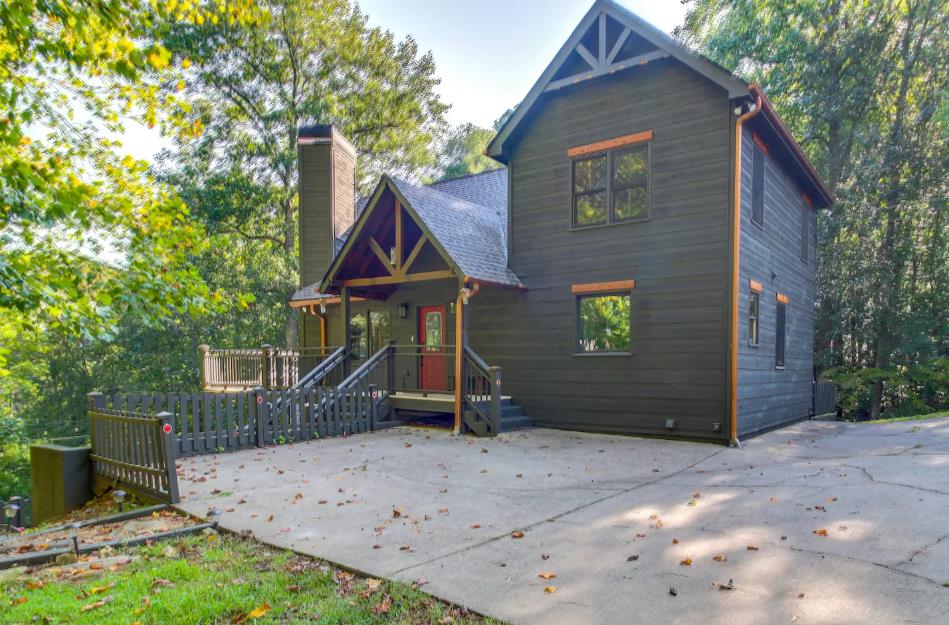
<point>324,133</point>
<point>321,131</point>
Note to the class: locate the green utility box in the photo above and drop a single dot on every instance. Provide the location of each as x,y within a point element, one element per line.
<point>62,480</point>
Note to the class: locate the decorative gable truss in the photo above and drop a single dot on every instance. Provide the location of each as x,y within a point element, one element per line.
<point>606,47</point>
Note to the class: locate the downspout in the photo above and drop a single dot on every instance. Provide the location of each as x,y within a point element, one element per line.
<point>736,252</point>
<point>464,295</point>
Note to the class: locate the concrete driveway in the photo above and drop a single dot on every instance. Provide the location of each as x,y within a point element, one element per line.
<point>620,521</point>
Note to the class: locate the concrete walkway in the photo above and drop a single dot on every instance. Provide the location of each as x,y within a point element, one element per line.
<point>616,519</point>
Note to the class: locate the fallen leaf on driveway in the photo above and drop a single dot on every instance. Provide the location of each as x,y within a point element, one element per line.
<point>547,575</point>
<point>720,558</point>
<point>752,548</point>
<point>517,534</point>
<point>396,513</point>
<point>686,562</point>
<point>475,526</point>
<point>820,532</point>
<point>729,586</point>
<point>550,589</point>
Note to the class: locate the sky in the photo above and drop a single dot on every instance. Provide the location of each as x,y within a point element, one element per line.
<point>488,53</point>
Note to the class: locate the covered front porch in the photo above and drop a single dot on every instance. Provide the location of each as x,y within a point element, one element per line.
<point>392,313</point>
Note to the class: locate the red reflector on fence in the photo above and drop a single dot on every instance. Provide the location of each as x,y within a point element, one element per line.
<point>260,399</point>
<point>166,428</point>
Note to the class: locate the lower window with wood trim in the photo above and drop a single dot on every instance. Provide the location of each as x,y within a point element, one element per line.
<point>603,323</point>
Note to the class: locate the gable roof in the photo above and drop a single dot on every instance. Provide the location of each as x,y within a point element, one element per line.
<point>602,64</point>
<point>469,235</point>
<point>472,235</point>
<point>657,45</point>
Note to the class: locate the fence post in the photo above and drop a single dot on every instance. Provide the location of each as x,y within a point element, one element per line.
<point>266,364</point>
<point>168,443</point>
<point>372,407</point>
<point>203,364</point>
<point>259,412</point>
<point>495,373</point>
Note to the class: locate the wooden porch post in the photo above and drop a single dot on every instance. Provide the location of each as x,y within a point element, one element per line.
<point>203,358</point>
<point>345,310</point>
<point>459,353</point>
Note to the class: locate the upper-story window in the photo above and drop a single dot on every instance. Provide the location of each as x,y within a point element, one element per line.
<point>611,186</point>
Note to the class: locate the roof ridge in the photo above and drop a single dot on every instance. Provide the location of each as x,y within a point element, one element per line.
<point>463,176</point>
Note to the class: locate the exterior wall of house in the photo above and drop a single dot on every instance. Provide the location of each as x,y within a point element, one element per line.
<point>771,255</point>
<point>677,363</point>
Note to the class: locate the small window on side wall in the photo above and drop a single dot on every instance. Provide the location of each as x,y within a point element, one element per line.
<point>603,323</point>
<point>754,301</point>
<point>780,339</point>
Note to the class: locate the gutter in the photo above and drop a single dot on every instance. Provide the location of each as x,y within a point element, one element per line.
<point>736,256</point>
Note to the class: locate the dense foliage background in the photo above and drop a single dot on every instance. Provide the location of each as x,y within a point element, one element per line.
<point>113,271</point>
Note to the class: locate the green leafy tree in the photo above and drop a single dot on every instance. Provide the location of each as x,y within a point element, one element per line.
<point>463,152</point>
<point>864,85</point>
<point>86,236</point>
<point>250,88</point>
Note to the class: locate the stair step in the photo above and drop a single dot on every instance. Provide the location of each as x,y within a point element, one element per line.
<point>516,423</point>
<point>511,411</point>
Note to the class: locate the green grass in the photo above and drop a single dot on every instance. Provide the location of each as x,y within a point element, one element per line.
<point>220,579</point>
<point>918,417</point>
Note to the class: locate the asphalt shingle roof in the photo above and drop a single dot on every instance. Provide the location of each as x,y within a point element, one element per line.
<point>468,216</point>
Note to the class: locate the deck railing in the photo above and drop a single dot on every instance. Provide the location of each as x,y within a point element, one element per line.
<point>481,394</point>
<point>268,367</point>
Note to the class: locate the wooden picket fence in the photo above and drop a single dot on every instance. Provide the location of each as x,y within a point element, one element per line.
<point>135,450</point>
<point>207,423</point>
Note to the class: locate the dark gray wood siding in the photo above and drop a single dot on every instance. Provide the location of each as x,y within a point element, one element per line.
<point>677,362</point>
<point>771,255</point>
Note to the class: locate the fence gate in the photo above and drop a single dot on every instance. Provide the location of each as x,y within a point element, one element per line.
<point>135,450</point>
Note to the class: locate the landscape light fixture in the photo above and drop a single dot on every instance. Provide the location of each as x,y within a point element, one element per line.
<point>119,497</point>
<point>11,511</point>
<point>75,536</point>
<point>214,516</point>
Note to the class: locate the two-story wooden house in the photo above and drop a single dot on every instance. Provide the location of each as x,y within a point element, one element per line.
<point>641,262</point>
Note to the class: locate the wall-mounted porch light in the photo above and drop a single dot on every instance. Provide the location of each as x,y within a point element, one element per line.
<point>322,308</point>
<point>404,310</point>
<point>451,307</point>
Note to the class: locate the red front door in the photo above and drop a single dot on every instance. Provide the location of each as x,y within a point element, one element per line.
<point>433,361</point>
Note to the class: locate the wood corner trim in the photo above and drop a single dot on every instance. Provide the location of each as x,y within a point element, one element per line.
<point>609,144</point>
<point>603,287</point>
<point>759,142</point>
<point>755,286</point>
<point>781,297</point>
